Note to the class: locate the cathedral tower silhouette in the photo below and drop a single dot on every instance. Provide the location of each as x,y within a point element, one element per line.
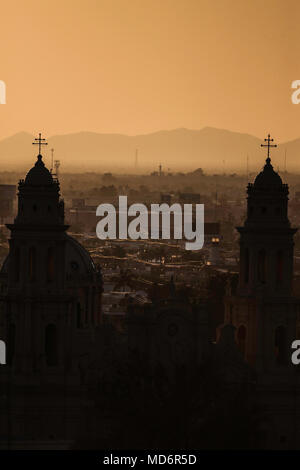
<point>263,309</point>
<point>50,309</point>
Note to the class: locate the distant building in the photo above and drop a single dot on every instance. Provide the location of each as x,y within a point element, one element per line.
<point>189,198</point>
<point>166,198</point>
<point>78,203</point>
<point>212,232</point>
<point>7,198</point>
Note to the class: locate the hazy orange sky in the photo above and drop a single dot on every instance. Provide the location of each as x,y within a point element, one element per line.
<point>137,66</point>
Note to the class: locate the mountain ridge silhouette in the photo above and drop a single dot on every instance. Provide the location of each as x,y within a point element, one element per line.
<point>177,149</point>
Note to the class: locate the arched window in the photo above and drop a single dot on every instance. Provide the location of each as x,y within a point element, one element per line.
<point>230,313</point>
<point>262,266</point>
<point>93,309</point>
<point>78,315</point>
<point>246,265</point>
<point>11,343</point>
<point>280,345</point>
<point>279,267</point>
<point>86,319</point>
<point>241,339</point>
<point>51,345</point>
<point>50,264</point>
<point>17,264</point>
<point>32,263</point>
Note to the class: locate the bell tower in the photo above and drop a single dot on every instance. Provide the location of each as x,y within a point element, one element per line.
<point>38,233</point>
<point>266,239</point>
<point>36,299</point>
<point>263,309</point>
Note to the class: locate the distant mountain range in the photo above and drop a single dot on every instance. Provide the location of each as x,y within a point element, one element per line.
<point>212,149</point>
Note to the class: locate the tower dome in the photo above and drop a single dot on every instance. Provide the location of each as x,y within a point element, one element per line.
<point>39,199</point>
<point>268,177</point>
<point>39,175</point>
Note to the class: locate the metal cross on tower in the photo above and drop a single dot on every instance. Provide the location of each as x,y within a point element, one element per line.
<point>269,145</point>
<point>39,141</point>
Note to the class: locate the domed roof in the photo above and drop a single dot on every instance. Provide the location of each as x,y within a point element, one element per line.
<point>268,177</point>
<point>78,258</point>
<point>39,175</point>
